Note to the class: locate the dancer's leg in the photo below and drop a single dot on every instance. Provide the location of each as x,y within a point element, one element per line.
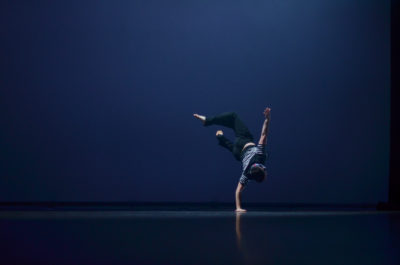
<point>225,142</point>
<point>230,120</point>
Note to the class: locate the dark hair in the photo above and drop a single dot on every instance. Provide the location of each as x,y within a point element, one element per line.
<point>257,173</point>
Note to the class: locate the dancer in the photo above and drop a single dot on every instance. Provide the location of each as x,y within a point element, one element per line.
<point>244,149</point>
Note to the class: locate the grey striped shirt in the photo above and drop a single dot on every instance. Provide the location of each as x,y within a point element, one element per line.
<point>256,153</point>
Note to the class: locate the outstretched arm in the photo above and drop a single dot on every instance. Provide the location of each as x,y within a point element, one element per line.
<point>238,196</point>
<point>264,131</point>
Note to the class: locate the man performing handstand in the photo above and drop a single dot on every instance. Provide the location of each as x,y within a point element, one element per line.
<point>244,149</point>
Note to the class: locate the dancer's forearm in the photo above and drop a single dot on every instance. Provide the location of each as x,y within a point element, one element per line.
<point>238,196</point>
<point>264,132</point>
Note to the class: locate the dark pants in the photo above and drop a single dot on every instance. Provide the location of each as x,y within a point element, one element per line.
<point>242,134</point>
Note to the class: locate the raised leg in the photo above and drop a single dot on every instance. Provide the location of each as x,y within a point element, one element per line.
<point>230,120</point>
<point>225,142</point>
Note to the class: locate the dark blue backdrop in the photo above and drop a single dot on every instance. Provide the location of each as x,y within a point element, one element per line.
<point>97,99</point>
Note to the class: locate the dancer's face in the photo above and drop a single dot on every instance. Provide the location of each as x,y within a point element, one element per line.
<point>263,169</point>
<point>265,174</point>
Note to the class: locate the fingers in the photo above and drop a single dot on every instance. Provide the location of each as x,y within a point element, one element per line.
<point>267,111</point>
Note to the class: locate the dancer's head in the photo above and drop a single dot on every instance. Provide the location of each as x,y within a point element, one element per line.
<point>258,172</point>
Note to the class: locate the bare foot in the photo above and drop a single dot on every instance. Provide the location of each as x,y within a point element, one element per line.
<point>200,117</point>
<point>219,132</point>
<point>240,210</point>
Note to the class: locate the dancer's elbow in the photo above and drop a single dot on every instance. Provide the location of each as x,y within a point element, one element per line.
<point>239,188</point>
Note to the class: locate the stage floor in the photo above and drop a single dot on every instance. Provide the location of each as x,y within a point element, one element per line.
<point>199,237</point>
